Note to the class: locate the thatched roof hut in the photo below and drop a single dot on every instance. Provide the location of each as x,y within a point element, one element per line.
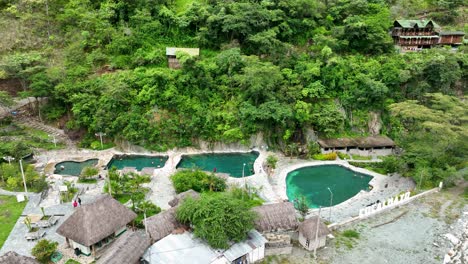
<point>93,222</point>
<point>127,249</point>
<point>162,224</point>
<point>12,257</point>
<point>362,142</point>
<point>276,217</point>
<point>308,228</point>
<point>181,196</point>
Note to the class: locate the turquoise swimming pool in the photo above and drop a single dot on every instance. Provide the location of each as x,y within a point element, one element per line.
<point>138,161</point>
<point>73,168</point>
<point>313,183</point>
<point>230,163</point>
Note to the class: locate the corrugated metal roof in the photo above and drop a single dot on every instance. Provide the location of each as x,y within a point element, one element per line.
<point>177,249</point>
<point>410,23</point>
<point>190,51</point>
<point>237,250</point>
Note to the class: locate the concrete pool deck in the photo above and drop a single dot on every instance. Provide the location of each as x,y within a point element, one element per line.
<point>271,188</point>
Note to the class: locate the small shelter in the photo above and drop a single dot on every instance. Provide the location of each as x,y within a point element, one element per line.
<point>185,247</point>
<point>308,231</point>
<point>127,249</point>
<point>12,257</point>
<point>162,224</point>
<point>172,59</point>
<point>372,145</point>
<point>276,217</point>
<point>95,225</point>
<point>181,196</point>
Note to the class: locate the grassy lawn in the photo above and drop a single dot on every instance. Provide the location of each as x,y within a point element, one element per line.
<point>359,157</point>
<point>10,210</point>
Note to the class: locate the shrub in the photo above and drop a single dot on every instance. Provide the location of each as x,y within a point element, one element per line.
<point>197,180</point>
<point>217,218</point>
<point>43,250</point>
<point>359,157</point>
<point>327,156</point>
<point>343,155</point>
<point>313,148</point>
<point>351,233</point>
<point>148,207</point>
<point>89,172</point>
<point>271,161</point>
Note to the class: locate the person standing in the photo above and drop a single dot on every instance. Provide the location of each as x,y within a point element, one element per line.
<point>79,201</point>
<point>75,204</point>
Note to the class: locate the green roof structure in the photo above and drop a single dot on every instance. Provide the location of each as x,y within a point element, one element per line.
<point>412,23</point>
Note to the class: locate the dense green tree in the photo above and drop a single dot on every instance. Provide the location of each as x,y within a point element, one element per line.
<point>217,218</point>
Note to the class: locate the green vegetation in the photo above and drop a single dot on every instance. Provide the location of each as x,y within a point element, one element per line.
<point>18,141</point>
<point>72,261</point>
<point>271,161</point>
<point>43,250</point>
<point>347,238</point>
<point>343,155</point>
<point>359,157</point>
<point>12,180</point>
<point>127,187</point>
<point>70,193</point>
<point>88,175</point>
<point>300,203</point>
<point>279,68</point>
<point>327,156</point>
<point>10,211</point>
<point>145,207</point>
<point>217,218</point>
<point>198,181</point>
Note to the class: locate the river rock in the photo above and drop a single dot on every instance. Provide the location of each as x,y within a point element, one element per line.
<point>452,239</point>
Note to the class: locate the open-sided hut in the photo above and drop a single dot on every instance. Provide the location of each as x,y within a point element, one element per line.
<point>172,59</point>
<point>127,249</point>
<point>12,257</point>
<point>162,224</point>
<point>372,145</point>
<point>276,217</point>
<point>181,196</point>
<point>94,225</point>
<point>308,231</point>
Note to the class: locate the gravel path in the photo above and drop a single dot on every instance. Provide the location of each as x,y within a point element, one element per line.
<point>417,237</point>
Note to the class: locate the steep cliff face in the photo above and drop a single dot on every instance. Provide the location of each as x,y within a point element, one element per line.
<point>374,123</point>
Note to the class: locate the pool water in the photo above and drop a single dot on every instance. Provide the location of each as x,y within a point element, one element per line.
<point>138,161</point>
<point>230,163</point>
<point>72,167</point>
<point>313,182</point>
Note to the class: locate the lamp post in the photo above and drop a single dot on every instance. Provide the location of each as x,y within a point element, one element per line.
<point>243,179</point>
<point>100,135</point>
<point>9,159</point>
<point>24,179</point>
<point>331,203</point>
<point>54,139</point>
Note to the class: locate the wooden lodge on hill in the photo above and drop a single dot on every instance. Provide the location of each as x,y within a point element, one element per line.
<point>415,35</point>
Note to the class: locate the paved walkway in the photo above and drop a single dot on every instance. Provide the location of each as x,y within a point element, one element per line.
<point>16,241</point>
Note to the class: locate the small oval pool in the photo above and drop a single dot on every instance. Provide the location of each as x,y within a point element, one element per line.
<point>137,161</point>
<point>73,168</point>
<point>230,163</point>
<point>313,182</point>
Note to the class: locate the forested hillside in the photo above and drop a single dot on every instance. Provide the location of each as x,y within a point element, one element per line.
<point>281,67</point>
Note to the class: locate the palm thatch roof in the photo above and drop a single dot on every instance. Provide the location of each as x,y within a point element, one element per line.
<point>12,257</point>
<point>92,222</point>
<point>127,249</point>
<point>362,142</point>
<point>308,228</point>
<point>162,224</point>
<point>181,196</point>
<point>275,217</point>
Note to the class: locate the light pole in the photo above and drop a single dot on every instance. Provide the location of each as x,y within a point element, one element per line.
<point>24,179</point>
<point>100,135</point>
<point>54,139</point>
<point>9,159</point>
<point>243,179</point>
<point>331,202</point>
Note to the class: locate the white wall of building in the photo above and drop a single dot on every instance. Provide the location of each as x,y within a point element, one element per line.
<point>84,249</point>
<point>321,241</point>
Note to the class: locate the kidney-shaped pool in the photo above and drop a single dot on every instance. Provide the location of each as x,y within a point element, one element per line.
<point>313,183</point>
